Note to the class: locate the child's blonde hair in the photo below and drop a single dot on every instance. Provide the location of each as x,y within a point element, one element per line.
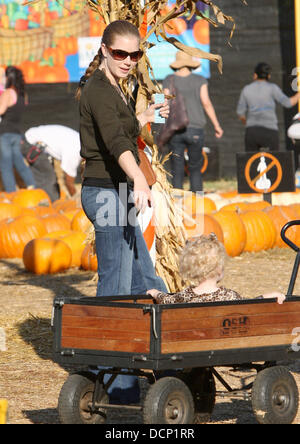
<point>202,258</point>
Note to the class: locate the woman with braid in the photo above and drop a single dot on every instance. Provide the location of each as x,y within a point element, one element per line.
<point>114,188</point>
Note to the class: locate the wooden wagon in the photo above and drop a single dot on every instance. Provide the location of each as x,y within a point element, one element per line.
<point>132,335</point>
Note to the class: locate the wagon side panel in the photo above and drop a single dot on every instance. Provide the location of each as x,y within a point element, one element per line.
<point>102,328</point>
<point>194,329</point>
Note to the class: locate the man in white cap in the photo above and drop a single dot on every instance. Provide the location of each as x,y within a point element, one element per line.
<point>194,90</point>
<point>57,142</point>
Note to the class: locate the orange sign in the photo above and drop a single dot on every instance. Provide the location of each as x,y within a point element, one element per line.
<point>205,161</point>
<point>260,183</point>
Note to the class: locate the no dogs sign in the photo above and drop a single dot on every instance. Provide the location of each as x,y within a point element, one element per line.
<point>265,172</point>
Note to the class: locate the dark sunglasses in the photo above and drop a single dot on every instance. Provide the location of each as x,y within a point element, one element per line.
<point>119,54</point>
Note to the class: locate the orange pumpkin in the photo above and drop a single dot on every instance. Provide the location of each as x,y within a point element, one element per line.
<point>203,224</point>
<point>31,198</point>
<point>237,207</point>
<point>6,197</point>
<point>80,222</point>
<point>59,234</point>
<point>89,260</point>
<point>74,239</point>
<point>16,233</point>
<point>296,207</point>
<point>234,231</point>
<point>261,232</point>
<point>62,205</point>
<point>70,214</point>
<point>55,222</point>
<point>44,210</point>
<point>9,210</point>
<point>258,206</point>
<point>76,242</point>
<point>280,215</point>
<point>46,256</point>
<point>246,206</point>
<point>194,204</point>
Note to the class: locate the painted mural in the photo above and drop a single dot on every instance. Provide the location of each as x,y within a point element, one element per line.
<point>54,42</point>
<point>194,33</point>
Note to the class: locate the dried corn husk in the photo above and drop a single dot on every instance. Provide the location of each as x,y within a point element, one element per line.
<point>169,229</point>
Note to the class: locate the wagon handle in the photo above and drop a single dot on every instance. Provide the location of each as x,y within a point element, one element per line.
<point>287,240</point>
<point>297,260</point>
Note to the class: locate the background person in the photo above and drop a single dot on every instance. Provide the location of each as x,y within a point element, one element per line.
<point>12,107</point>
<point>61,143</point>
<point>257,110</point>
<point>194,89</point>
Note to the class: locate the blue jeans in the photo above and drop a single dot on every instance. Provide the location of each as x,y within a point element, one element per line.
<point>11,157</point>
<point>124,264</point>
<point>191,139</point>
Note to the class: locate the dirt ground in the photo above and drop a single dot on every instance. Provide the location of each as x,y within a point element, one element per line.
<point>31,382</point>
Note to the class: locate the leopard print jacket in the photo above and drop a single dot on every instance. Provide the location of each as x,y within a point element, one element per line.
<point>188,295</point>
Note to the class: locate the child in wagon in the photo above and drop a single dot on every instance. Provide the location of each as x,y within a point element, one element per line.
<point>201,263</point>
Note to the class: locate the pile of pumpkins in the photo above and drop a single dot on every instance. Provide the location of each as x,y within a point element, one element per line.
<point>49,237</point>
<point>52,237</point>
<point>244,223</point>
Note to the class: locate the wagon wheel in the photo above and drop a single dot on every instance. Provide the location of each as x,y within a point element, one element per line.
<point>275,396</point>
<point>168,401</point>
<point>203,388</point>
<point>75,397</point>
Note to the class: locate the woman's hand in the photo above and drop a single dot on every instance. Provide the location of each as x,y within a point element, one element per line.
<point>141,193</point>
<point>148,116</point>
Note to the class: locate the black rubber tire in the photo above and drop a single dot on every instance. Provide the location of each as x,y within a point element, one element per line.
<point>74,396</point>
<point>275,396</point>
<point>168,401</point>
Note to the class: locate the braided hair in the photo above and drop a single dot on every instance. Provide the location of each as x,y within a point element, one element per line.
<point>116,28</point>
